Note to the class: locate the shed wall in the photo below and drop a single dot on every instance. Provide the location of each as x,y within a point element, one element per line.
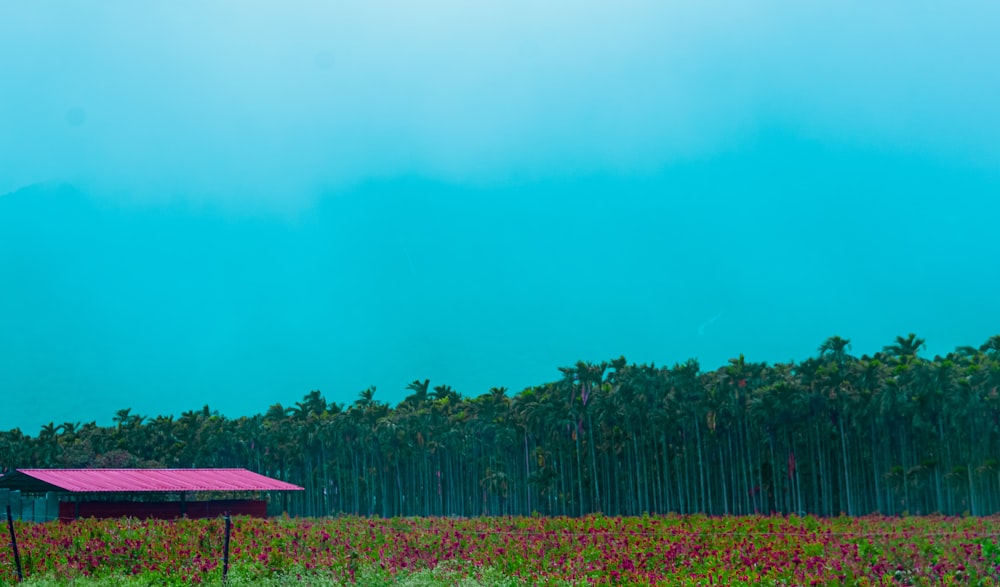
<point>29,508</point>
<point>162,510</point>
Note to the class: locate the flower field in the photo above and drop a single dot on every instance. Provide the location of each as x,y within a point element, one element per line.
<point>669,550</point>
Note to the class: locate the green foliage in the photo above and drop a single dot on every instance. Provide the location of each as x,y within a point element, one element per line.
<point>368,577</point>
<point>834,434</point>
<point>663,550</point>
<point>444,576</point>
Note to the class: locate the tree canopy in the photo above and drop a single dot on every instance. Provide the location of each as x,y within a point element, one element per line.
<point>833,434</point>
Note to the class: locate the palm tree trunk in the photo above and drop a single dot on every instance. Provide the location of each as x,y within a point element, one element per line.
<point>725,474</point>
<point>596,504</point>
<point>665,469</point>
<point>640,506</point>
<point>778,505</point>
<point>701,468</point>
<point>685,483</point>
<point>879,504</point>
<point>847,468</point>
<point>579,470</point>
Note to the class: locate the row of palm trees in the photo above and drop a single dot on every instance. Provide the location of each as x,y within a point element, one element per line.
<point>834,434</point>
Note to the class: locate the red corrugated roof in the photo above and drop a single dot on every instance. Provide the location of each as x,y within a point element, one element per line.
<point>157,480</point>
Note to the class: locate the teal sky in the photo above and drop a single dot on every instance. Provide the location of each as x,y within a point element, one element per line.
<point>235,203</point>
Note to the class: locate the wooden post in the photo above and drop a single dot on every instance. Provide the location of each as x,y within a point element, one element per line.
<point>13,544</point>
<point>225,548</point>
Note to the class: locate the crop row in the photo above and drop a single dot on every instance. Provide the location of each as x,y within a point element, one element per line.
<point>592,550</point>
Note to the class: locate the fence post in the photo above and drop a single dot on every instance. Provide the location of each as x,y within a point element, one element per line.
<point>13,544</point>
<point>225,548</point>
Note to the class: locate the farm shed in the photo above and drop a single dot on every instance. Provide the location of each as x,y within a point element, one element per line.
<point>68,494</point>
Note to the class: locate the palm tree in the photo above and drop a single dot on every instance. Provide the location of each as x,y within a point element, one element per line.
<point>445,392</point>
<point>420,392</point>
<point>836,349</point>
<point>122,417</point>
<point>47,445</point>
<point>905,349</point>
<point>312,404</point>
<point>992,346</point>
<point>69,428</point>
<point>858,436</point>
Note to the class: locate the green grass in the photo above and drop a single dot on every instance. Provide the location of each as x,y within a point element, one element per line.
<point>450,574</point>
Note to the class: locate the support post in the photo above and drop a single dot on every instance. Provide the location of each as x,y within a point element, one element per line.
<point>13,544</point>
<point>225,548</point>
